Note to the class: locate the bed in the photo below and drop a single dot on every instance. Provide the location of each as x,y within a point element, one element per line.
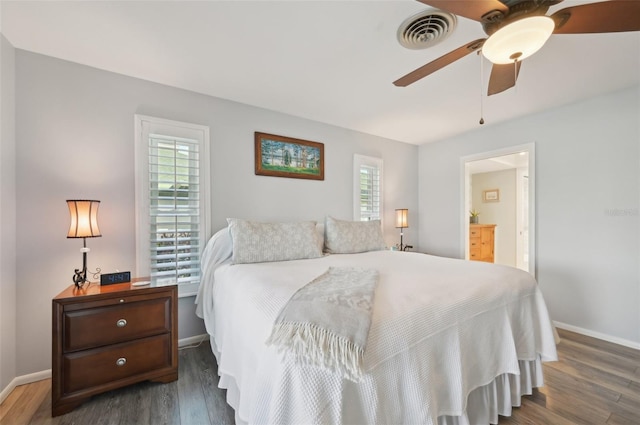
<point>450,342</point>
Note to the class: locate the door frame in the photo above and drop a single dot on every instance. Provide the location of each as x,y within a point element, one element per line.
<point>465,198</point>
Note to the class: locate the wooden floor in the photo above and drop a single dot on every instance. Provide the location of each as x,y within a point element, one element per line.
<point>193,399</point>
<point>594,382</point>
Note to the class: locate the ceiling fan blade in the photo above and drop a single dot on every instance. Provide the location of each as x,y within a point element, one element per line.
<point>608,16</point>
<point>472,9</point>
<point>503,77</point>
<point>441,62</point>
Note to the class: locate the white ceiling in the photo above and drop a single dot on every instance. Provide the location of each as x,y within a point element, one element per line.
<point>329,61</point>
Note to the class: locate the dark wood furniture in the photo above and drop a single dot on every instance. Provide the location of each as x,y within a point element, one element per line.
<point>107,337</point>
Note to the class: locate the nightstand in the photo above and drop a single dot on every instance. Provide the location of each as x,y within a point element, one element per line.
<point>107,337</point>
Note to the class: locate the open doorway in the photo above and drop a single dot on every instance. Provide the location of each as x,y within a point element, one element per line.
<point>499,186</point>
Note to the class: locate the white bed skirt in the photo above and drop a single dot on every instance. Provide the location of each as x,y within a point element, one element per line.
<point>484,403</point>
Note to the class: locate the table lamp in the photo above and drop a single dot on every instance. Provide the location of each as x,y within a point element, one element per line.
<point>84,224</point>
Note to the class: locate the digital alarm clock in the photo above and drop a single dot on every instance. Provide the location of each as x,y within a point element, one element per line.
<point>112,278</point>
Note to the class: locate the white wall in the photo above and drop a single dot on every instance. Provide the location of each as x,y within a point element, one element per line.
<point>588,191</point>
<point>75,139</point>
<point>501,213</point>
<point>7,215</point>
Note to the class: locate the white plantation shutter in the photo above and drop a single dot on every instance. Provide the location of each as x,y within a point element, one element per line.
<point>367,188</point>
<point>369,193</point>
<point>172,195</point>
<point>174,213</point>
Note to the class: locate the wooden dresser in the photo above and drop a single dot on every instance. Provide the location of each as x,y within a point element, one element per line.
<point>482,242</point>
<point>106,337</point>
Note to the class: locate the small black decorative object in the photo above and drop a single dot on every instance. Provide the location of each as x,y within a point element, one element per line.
<point>118,277</point>
<point>84,224</point>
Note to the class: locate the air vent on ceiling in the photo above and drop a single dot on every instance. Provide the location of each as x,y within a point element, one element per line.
<point>426,29</point>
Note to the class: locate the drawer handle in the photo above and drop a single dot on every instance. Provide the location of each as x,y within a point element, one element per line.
<point>121,361</point>
<point>121,323</point>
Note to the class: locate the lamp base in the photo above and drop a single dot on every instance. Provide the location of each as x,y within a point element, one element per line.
<point>80,277</point>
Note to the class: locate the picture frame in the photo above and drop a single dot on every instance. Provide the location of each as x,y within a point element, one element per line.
<point>281,156</point>
<point>491,195</point>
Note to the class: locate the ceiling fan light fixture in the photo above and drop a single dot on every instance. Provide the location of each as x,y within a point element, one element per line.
<point>518,40</point>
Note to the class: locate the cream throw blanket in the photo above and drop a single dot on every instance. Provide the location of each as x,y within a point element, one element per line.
<point>326,322</point>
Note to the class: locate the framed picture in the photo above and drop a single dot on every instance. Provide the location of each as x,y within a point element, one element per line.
<point>281,156</point>
<point>491,195</point>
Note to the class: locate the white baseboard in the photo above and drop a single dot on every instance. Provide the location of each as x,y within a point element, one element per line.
<point>24,379</point>
<point>598,335</point>
<point>192,340</point>
<point>46,374</point>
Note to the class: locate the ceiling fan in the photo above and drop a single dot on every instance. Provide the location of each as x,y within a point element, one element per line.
<point>517,29</point>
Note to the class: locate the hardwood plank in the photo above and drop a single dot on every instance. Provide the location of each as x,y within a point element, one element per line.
<point>94,411</point>
<point>219,411</point>
<point>11,400</point>
<point>586,372</point>
<point>600,344</point>
<point>570,399</point>
<point>190,394</point>
<point>532,413</point>
<point>579,387</point>
<point>135,404</point>
<point>616,419</point>
<point>42,415</point>
<point>628,407</point>
<point>22,411</point>
<point>165,406</point>
<point>610,362</point>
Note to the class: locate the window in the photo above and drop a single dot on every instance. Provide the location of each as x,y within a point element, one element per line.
<point>367,180</point>
<point>172,199</point>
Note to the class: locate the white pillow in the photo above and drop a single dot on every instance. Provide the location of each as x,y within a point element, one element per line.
<point>350,237</point>
<point>255,242</point>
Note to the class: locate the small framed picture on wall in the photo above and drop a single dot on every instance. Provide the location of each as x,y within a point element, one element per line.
<point>491,195</point>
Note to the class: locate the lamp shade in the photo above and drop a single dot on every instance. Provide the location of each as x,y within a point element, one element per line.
<point>518,40</point>
<point>84,218</point>
<point>402,218</point>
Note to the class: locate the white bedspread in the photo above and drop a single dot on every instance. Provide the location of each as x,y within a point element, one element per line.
<point>440,329</point>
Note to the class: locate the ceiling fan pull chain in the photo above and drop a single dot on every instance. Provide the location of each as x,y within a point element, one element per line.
<point>481,86</point>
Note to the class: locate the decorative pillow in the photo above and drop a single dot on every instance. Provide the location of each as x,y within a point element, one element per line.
<point>349,237</point>
<point>255,242</point>
<point>320,235</point>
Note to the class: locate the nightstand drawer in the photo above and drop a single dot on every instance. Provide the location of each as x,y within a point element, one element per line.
<point>92,368</point>
<point>95,327</point>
